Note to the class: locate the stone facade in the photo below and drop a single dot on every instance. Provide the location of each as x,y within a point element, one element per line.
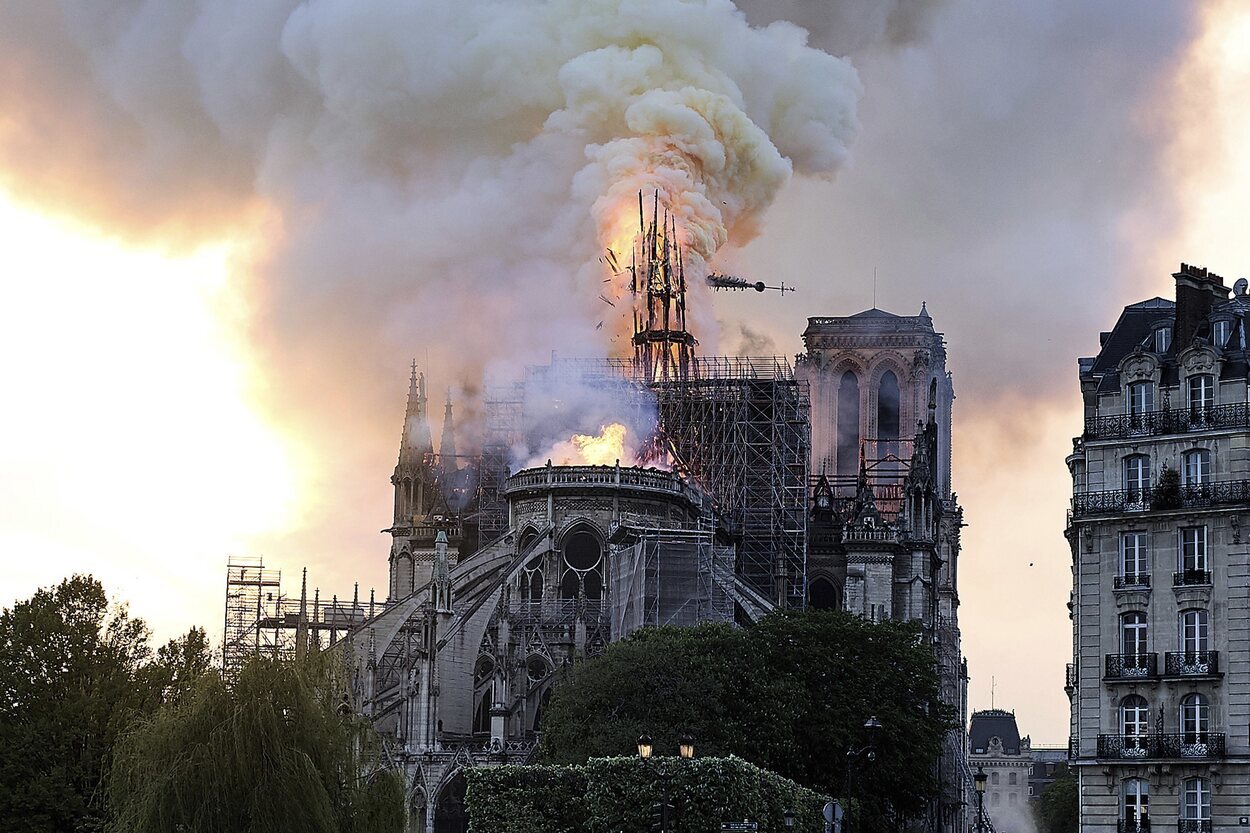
<point>1160,681</point>
<point>885,527</point>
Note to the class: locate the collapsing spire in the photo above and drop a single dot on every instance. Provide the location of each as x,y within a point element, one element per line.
<point>663,349</point>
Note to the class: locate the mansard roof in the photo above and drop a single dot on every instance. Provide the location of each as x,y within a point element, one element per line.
<point>993,723</point>
<point>1135,324</point>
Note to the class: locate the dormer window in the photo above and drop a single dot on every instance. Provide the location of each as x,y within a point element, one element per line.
<point>1163,339</point>
<point>1220,331</point>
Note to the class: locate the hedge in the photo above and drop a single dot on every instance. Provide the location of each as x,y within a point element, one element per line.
<point>615,795</point>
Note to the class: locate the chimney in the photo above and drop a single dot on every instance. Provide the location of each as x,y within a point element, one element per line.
<point>1197,291</point>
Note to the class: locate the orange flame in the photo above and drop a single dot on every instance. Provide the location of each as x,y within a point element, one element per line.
<point>602,449</point>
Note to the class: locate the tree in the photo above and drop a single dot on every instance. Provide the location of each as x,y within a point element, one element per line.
<point>68,665</point>
<point>790,694</point>
<point>270,753</point>
<point>1059,809</point>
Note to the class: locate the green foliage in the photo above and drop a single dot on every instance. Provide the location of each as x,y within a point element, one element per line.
<point>611,795</point>
<point>1058,810</point>
<point>269,753</point>
<point>70,668</point>
<point>790,694</point>
<point>1167,495</point>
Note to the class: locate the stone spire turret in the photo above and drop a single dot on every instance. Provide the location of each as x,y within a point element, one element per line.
<point>416,441</point>
<point>447,443</point>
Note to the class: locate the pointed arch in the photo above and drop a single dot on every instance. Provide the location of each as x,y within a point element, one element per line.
<point>848,424</point>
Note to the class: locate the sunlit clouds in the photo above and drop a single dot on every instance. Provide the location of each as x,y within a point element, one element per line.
<point>127,441</point>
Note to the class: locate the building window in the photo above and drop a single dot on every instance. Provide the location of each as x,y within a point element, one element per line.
<point>1195,631</point>
<point>1220,331</point>
<point>1193,551</point>
<point>848,424</point>
<point>1196,804</point>
<point>994,778</point>
<point>1137,473</point>
<point>887,407</point>
<point>1201,392</point>
<point>1030,790</point>
<point>1134,721</point>
<point>1195,718</point>
<point>1141,398</point>
<point>532,581</point>
<point>1196,470</point>
<point>1134,557</point>
<point>1133,634</point>
<point>1012,779</point>
<point>583,566</point>
<point>1011,798</point>
<point>994,799</point>
<point>1163,339</point>
<point>822,594</point>
<point>1136,804</point>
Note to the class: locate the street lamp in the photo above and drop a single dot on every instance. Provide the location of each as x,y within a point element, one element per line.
<point>663,812</point>
<point>978,781</point>
<point>789,819</point>
<point>872,728</point>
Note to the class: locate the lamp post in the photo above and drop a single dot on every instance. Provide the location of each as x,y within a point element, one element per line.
<point>872,728</point>
<point>662,813</point>
<point>978,781</point>
<point>789,819</point>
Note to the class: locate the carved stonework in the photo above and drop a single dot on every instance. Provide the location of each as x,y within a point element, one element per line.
<point>1199,360</point>
<point>1138,367</point>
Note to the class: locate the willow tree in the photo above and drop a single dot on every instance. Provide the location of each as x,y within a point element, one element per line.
<point>273,752</point>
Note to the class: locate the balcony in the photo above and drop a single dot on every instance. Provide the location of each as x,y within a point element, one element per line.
<point>1071,679</point>
<point>1157,423</point>
<point>1191,663</point>
<point>1189,746</point>
<point>1152,499</point>
<point>1133,581</point>
<point>1194,826</point>
<point>1191,578</point>
<point>1133,826</point>
<point>1131,667</point>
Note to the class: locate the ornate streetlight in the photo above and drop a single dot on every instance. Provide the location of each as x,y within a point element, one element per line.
<point>662,813</point>
<point>872,727</point>
<point>978,781</point>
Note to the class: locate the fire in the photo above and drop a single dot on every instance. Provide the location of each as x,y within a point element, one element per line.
<point>602,449</point>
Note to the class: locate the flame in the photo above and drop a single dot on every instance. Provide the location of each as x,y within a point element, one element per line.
<point>602,449</point>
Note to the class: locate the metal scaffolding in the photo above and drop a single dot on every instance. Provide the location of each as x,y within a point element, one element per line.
<point>262,622</point>
<point>739,427</point>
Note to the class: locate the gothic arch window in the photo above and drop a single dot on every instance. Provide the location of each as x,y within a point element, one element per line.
<point>543,702</point>
<point>848,424</point>
<point>481,717</point>
<point>581,569</point>
<point>822,594</point>
<point>450,813</point>
<point>532,581</point>
<point>888,407</point>
<point>528,536</point>
<point>536,670</point>
<point>403,574</point>
<point>482,671</point>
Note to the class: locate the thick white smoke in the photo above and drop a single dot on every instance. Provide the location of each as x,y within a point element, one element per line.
<point>426,157</point>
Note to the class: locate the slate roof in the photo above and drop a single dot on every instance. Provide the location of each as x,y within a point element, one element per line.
<point>993,723</point>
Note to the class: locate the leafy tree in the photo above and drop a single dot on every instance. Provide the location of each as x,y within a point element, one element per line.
<point>68,666</point>
<point>270,753</point>
<point>790,694</point>
<point>1059,810</point>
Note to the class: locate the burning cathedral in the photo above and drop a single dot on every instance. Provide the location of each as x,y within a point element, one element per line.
<point>704,489</point>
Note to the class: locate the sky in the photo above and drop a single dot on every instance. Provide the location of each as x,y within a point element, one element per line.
<point>213,279</point>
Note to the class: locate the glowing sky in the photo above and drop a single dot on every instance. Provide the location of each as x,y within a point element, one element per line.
<point>156,417</point>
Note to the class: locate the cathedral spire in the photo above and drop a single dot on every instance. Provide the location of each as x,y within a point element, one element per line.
<point>447,444</point>
<point>416,441</point>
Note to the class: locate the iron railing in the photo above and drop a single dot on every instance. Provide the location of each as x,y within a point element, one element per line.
<point>1177,421</point>
<point>1133,581</point>
<point>1133,826</point>
<point>1195,746</point>
<point>1154,499</point>
<point>1131,666</point>
<point>1071,679</point>
<point>1191,663</point>
<point>1194,826</point>
<point>1188,578</point>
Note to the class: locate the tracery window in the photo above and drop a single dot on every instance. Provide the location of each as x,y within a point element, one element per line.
<point>848,424</point>
<point>582,567</point>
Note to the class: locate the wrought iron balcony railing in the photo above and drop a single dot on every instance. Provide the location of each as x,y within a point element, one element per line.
<point>1196,746</point>
<point>1178,421</point>
<point>1133,826</point>
<point>1191,663</point>
<point>1153,499</point>
<point>1131,666</point>
<point>1188,578</point>
<point>1133,581</point>
<point>1194,826</point>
